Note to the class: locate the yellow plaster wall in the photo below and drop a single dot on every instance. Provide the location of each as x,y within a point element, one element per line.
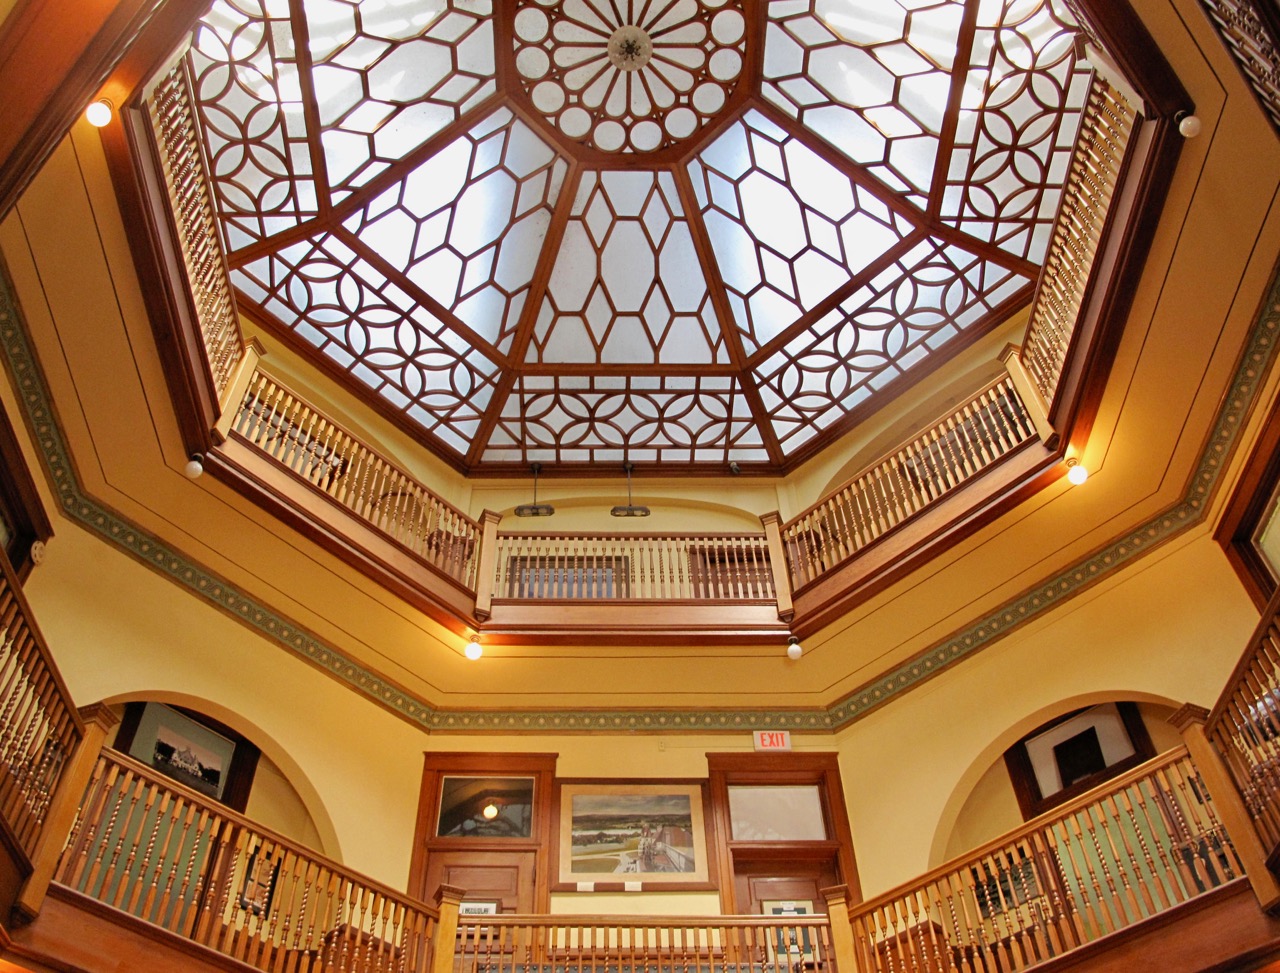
<point>1167,630</point>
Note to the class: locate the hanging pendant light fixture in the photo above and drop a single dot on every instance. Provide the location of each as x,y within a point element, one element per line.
<point>535,509</point>
<point>630,509</point>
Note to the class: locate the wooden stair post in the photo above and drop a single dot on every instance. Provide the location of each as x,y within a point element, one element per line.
<point>98,719</point>
<point>772,523</point>
<point>1189,721</point>
<point>448,898</point>
<point>486,563</point>
<point>841,929</point>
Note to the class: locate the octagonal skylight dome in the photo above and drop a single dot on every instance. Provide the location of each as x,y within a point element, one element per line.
<point>675,232</point>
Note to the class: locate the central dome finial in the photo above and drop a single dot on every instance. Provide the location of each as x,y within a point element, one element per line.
<point>630,48</point>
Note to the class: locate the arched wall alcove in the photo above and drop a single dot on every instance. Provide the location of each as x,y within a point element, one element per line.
<point>991,758</point>
<point>293,783</point>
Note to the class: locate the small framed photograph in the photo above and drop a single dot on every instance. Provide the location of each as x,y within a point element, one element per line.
<point>795,943</point>
<point>631,836</point>
<point>1075,752</point>
<point>193,750</point>
<point>259,883</point>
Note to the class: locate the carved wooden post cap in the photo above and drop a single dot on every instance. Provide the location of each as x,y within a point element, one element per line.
<point>101,714</point>
<point>835,893</point>
<point>450,894</point>
<point>1189,714</point>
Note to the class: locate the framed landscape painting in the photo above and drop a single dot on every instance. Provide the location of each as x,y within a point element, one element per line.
<point>632,836</point>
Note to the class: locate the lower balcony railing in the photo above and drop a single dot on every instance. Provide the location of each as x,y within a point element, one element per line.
<point>161,853</point>
<point>39,727</point>
<point>632,944</point>
<point>1123,853</point>
<point>1244,727</point>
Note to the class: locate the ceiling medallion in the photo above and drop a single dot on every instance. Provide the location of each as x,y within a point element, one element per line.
<point>632,77</point>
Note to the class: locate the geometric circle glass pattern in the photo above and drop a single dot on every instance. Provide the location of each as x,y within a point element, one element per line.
<point>468,209</point>
<point>629,77</point>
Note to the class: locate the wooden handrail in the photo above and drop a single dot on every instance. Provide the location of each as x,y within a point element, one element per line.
<point>631,567</point>
<point>1093,176</point>
<point>195,222</point>
<point>1123,852</point>
<point>281,424</point>
<point>958,445</point>
<point>170,856</point>
<point>1244,725</point>
<point>642,944</point>
<point>39,725</point>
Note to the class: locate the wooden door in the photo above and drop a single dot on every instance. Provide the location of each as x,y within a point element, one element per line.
<point>756,883</point>
<point>505,877</point>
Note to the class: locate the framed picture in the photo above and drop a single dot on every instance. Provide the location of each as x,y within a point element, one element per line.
<point>259,882</point>
<point>194,750</point>
<point>1075,752</point>
<point>631,836</point>
<point>796,944</point>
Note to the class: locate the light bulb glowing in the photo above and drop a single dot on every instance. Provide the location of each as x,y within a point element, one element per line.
<point>490,811</point>
<point>794,649</point>
<point>99,114</point>
<point>1076,473</point>
<point>473,650</point>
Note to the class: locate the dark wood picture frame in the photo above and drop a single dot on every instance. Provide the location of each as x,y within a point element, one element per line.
<point>647,882</point>
<point>1022,773</point>
<point>240,769</point>
<point>259,885</point>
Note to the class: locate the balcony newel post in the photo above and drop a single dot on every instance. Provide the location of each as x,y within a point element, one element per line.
<point>486,563</point>
<point>837,898</point>
<point>1189,721</point>
<point>1030,395</point>
<point>778,565</point>
<point>447,900</point>
<point>229,407</point>
<point>63,807</point>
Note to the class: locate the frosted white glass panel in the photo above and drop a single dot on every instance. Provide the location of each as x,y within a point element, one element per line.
<point>777,813</point>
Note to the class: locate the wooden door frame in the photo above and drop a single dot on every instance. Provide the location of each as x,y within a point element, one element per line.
<point>821,769</point>
<point>436,766</point>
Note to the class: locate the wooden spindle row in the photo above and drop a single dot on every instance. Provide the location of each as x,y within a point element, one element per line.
<point>191,204</point>
<point>639,567</point>
<point>39,727</point>
<point>909,478</point>
<point>287,429</point>
<point>617,944</point>
<point>1125,852</point>
<point>1092,178</point>
<point>172,858</point>
<point>1244,727</point>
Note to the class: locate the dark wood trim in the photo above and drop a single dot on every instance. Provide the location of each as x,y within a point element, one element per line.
<point>55,57</point>
<point>20,502</point>
<point>436,766</point>
<point>148,222</point>
<point>1246,508</point>
<point>822,769</point>
<point>1021,774</point>
<point>1138,56</point>
<point>244,761</point>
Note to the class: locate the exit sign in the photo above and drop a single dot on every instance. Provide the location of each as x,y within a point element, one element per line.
<point>772,739</point>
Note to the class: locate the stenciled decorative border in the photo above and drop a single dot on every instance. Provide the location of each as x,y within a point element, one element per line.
<point>15,347</point>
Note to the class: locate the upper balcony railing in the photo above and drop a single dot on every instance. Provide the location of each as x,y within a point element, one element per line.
<point>921,471</point>
<point>1126,851</point>
<point>39,726</point>
<point>385,499</point>
<point>166,855</point>
<point>355,475</point>
<point>646,567</point>
<point>1086,205</point>
<point>195,223</point>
